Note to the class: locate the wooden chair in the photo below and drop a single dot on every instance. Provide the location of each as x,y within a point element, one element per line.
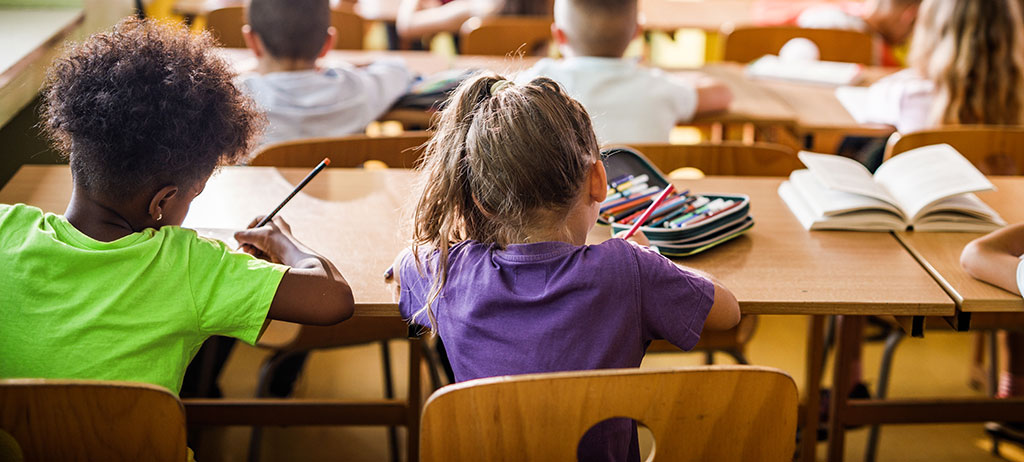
<point>720,413</point>
<point>289,340</point>
<point>226,25</point>
<point>728,158</point>
<point>993,149</point>
<point>745,44</point>
<point>346,151</point>
<point>91,420</point>
<point>504,35</point>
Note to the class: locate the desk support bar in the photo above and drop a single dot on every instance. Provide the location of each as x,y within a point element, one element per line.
<point>918,411</point>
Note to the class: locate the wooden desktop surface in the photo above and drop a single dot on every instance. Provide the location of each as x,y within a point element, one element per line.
<point>939,253</point>
<point>353,217</point>
<point>30,38</point>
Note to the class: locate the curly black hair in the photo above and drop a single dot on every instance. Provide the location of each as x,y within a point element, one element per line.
<point>143,105</point>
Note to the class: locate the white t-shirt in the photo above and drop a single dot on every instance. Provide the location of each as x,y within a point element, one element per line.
<point>830,17</point>
<point>626,102</point>
<point>903,100</point>
<point>1020,276</point>
<point>331,102</point>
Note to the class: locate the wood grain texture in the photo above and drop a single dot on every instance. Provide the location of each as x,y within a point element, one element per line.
<point>727,158</point>
<point>995,150</point>
<point>505,35</point>
<point>360,220</point>
<point>92,420</point>
<point>779,267</point>
<point>225,23</point>
<point>752,102</point>
<point>723,413</point>
<point>351,151</point>
<point>939,253</point>
<point>747,43</point>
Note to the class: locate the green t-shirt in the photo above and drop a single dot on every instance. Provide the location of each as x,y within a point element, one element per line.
<point>136,309</point>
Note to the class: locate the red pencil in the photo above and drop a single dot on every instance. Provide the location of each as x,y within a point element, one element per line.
<point>657,202</point>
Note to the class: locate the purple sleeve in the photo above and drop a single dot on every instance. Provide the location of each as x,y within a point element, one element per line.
<point>415,282</point>
<point>673,302</point>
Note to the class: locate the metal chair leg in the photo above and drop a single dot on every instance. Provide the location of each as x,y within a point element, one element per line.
<point>993,377</point>
<point>891,342</point>
<point>389,393</point>
<point>738,356</point>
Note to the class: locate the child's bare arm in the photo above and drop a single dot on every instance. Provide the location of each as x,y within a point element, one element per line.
<point>725,311</point>
<point>393,276</point>
<point>994,258</point>
<point>712,95</point>
<point>416,21</point>
<point>312,291</point>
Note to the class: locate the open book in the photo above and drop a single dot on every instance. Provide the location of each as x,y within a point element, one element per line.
<point>925,189</point>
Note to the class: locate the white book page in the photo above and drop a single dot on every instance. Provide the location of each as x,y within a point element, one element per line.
<point>842,174</point>
<point>920,177</point>
<point>827,202</point>
<point>873,220</point>
<point>855,101</point>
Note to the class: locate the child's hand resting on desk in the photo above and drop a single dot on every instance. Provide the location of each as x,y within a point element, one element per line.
<point>391,276</point>
<point>639,238</point>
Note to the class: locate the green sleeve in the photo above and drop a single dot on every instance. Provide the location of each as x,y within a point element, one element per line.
<point>232,291</point>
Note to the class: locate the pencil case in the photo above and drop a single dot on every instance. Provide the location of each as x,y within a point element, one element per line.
<point>699,229</point>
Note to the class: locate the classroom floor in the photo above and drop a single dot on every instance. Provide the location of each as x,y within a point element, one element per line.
<point>933,366</point>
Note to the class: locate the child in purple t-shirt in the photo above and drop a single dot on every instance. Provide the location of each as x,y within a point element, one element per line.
<point>512,183</point>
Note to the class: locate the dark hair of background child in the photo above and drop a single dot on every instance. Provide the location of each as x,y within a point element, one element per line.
<point>291,29</point>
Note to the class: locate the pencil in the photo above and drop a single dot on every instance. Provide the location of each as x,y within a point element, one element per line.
<point>640,221</point>
<point>302,184</point>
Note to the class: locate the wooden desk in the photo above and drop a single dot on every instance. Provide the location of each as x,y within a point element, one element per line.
<point>353,217</point>
<point>776,268</point>
<point>810,112</point>
<point>707,15</point>
<point>977,303</point>
<point>939,253</point>
<point>30,38</point>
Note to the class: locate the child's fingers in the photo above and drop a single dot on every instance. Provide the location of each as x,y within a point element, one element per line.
<point>255,237</point>
<point>639,237</point>
<point>255,221</point>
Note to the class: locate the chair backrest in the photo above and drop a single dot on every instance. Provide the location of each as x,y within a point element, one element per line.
<point>728,158</point>
<point>745,44</point>
<point>346,151</point>
<point>501,35</point>
<point>226,25</point>
<point>993,149</point>
<point>720,413</point>
<point>92,420</point>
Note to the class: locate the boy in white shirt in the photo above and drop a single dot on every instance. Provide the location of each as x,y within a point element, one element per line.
<point>628,103</point>
<point>301,99</point>
<point>889,21</point>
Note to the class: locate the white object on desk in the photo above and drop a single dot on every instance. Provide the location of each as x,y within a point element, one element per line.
<point>819,72</point>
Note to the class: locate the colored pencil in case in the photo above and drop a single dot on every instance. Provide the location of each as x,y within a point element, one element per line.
<point>632,191</point>
<point>615,203</point>
<point>638,208</point>
<point>669,205</point>
<point>714,213</point>
<point>628,184</point>
<point>619,180</point>
<point>678,222</point>
<point>697,201</point>
<point>640,221</point>
<point>302,184</point>
<point>615,209</point>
